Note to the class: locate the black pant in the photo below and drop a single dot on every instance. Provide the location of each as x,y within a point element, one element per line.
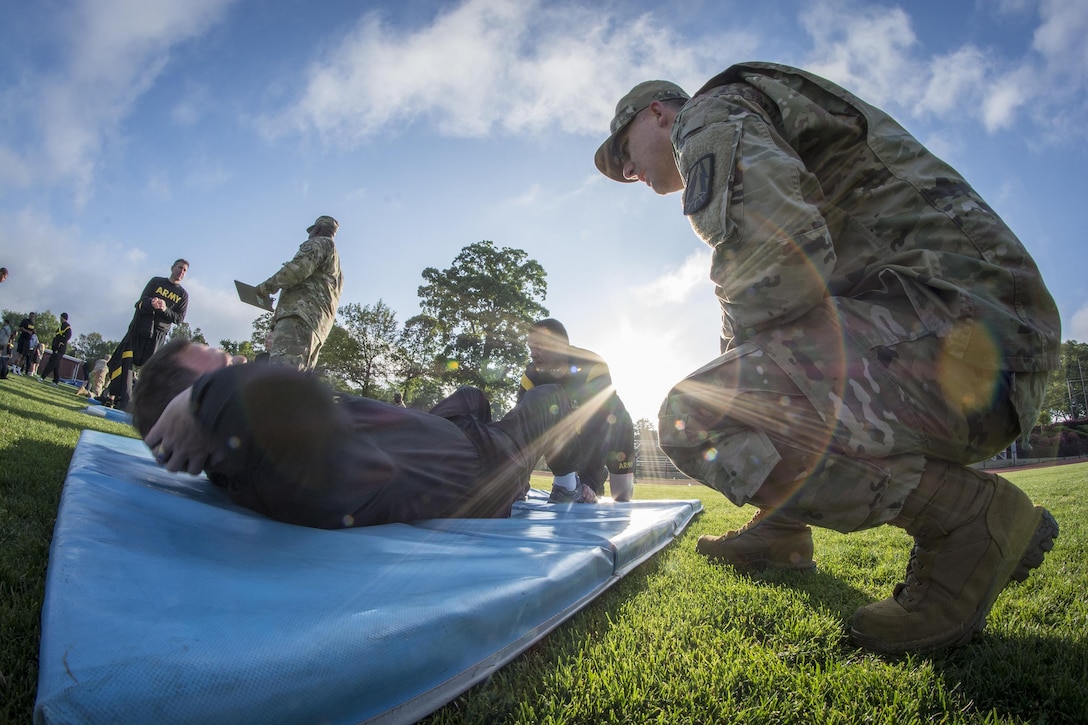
<point>132,352</point>
<point>53,366</point>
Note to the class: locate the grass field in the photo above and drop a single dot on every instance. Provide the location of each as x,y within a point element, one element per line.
<point>679,640</point>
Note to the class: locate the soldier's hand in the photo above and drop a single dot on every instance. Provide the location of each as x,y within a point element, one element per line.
<point>177,440</point>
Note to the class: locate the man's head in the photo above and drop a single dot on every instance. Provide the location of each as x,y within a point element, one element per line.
<point>170,371</point>
<point>3,273</point>
<point>32,315</point>
<point>548,343</point>
<point>64,317</point>
<point>323,226</point>
<point>178,270</point>
<point>639,147</point>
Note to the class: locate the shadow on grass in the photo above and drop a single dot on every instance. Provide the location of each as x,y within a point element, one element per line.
<point>67,424</point>
<point>1014,676</point>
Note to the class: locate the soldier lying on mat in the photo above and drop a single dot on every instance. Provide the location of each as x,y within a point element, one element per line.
<point>283,444</point>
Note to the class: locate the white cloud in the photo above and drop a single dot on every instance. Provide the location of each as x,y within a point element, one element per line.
<point>491,66</point>
<point>1078,326</point>
<point>1059,39</point>
<point>955,82</point>
<point>873,51</point>
<point>113,50</point>
<point>678,284</point>
<point>866,49</point>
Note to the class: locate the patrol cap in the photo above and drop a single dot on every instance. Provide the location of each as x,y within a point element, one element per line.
<point>323,221</point>
<point>607,157</point>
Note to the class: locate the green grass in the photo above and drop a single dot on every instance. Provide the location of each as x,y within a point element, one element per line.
<point>678,640</point>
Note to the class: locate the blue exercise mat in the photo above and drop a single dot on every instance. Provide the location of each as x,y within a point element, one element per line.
<point>166,603</point>
<point>101,411</point>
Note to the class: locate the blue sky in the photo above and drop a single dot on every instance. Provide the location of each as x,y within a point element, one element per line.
<point>133,132</point>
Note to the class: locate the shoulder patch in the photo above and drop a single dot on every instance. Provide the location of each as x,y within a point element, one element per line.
<point>700,184</point>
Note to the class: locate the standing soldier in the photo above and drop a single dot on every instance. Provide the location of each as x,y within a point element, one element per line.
<point>162,304</point>
<point>57,348</point>
<point>311,284</point>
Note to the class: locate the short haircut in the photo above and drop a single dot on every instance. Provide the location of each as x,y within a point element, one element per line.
<point>553,327</point>
<point>161,378</point>
<point>183,261</point>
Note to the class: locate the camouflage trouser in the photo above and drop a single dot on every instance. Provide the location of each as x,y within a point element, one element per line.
<point>294,343</point>
<point>851,424</point>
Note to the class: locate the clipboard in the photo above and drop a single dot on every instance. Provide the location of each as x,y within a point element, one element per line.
<point>248,293</point>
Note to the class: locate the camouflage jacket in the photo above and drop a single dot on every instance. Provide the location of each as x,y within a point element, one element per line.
<point>311,284</point>
<point>805,192</point>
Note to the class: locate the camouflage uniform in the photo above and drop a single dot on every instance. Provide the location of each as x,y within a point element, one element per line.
<point>876,313</point>
<point>311,284</point>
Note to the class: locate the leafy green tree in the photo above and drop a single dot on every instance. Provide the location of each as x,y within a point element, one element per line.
<point>184,331</point>
<point>418,362</point>
<point>335,363</point>
<point>1067,389</point>
<point>234,347</point>
<point>484,303</point>
<point>91,347</point>
<point>46,325</point>
<point>361,355</point>
<point>262,327</point>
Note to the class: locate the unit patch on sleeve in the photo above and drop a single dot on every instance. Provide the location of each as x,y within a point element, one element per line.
<point>700,183</point>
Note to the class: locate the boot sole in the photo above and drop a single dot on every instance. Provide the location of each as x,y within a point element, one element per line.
<point>1041,541</point>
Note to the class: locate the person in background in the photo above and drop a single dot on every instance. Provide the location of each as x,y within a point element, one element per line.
<point>7,337</point>
<point>162,304</point>
<point>58,347</point>
<point>96,380</point>
<point>883,329</point>
<point>6,333</point>
<point>22,343</point>
<point>311,283</point>
<point>600,442</point>
<point>37,349</point>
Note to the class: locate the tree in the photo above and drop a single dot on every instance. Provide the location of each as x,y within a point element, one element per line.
<point>243,348</point>
<point>361,354</point>
<point>46,325</point>
<point>90,346</point>
<point>184,331</point>
<point>418,363</point>
<point>1067,389</point>
<point>262,328</point>
<point>484,303</point>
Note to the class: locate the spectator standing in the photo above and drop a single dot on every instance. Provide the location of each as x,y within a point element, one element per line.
<point>310,284</point>
<point>22,344</point>
<point>162,304</point>
<point>58,347</point>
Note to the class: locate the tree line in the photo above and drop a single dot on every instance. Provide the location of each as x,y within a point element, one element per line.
<point>471,330</point>
<point>474,316</point>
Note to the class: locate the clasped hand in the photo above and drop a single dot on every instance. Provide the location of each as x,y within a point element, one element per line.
<point>177,440</point>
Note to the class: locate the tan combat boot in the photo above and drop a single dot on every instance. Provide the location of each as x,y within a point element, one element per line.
<point>973,533</point>
<point>765,541</point>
